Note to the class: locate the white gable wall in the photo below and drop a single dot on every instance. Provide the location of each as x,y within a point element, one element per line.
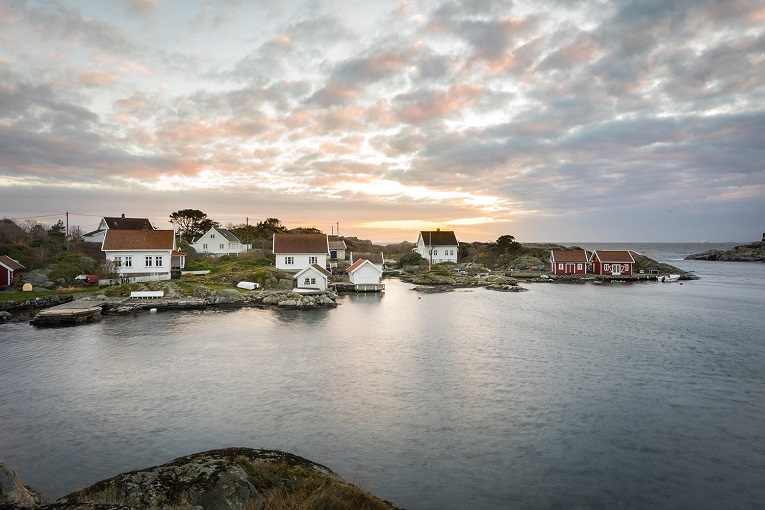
<point>298,261</point>
<point>367,273</point>
<point>440,253</point>
<point>138,262</point>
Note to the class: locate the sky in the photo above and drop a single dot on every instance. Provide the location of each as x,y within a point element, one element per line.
<point>555,121</point>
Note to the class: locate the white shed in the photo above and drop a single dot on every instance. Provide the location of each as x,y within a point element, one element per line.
<point>312,277</point>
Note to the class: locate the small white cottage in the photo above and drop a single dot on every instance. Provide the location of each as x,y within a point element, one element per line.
<point>363,272</point>
<point>313,277</point>
<point>219,241</point>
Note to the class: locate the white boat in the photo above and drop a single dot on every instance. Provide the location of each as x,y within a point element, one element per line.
<point>248,285</point>
<point>667,278</point>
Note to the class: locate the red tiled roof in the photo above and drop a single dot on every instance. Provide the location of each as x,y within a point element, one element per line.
<point>356,265</point>
<point>300,243</point>
<point>10,263</point>
<point>619,256</point>
<point>138,240</point>
<point>569,256</point>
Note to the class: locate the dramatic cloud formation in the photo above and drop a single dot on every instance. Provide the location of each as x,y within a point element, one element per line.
<point>551,121</point>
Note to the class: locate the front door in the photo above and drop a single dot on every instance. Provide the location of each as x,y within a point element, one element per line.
<point>570,268</point>
<point>616,269</point>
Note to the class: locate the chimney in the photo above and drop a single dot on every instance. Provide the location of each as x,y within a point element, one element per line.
<point>145,227</point>
<point>123,215</point>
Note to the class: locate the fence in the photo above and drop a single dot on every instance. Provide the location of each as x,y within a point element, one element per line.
<point>135,279</point>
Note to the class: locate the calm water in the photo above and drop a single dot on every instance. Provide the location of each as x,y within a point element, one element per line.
<point>567,396</point>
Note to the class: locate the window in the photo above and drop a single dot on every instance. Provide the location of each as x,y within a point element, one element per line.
<point>606,267</point>
<point>579,267</point>
<point>212,236</point>
<point>313,260</point>
<point>158,261</point>
<point>313,281</point>
<point>204,246</point>
<point>128,261</point>
<point>148,260</point>
<point>118,261</point>
<point>435,252</point>
<point>560,265</point>
<point>306,281</point>
<point>289,260</point>
<point>221,246</point>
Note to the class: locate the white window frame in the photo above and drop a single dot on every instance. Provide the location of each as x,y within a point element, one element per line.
<point>148,261</point>
<point>313,260</point>
<point>289,261</point>
<point>158,261</point>
<point>128,261</point>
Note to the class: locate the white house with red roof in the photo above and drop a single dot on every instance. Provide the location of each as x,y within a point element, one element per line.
<point>294,252</point>
<point>568,261</point>
<point>143,253</point>
<point>612,262</point>
<point>363,272</point>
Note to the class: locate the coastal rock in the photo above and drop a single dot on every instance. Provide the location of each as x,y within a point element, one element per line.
<point>754,252</point>
<point>13,491</point>
<point>228,479</point>
<point>36,277</point>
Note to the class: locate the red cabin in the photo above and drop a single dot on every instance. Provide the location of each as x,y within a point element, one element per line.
<point>10,270</point>
<point>612,262</point>
<point>568,261</point>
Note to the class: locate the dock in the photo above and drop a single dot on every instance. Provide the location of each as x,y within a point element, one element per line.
<point>74,312</point>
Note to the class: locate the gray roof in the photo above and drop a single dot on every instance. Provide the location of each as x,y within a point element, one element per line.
<point>439,238</point>
<point>228,235</point>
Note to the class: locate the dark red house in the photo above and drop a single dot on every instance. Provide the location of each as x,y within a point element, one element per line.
<point>568,261</point>
<point>9,270</point>
<point>612,262</point>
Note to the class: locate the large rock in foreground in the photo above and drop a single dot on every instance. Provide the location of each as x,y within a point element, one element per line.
<point>13,491</point>
<point>229,479</point>
<point>754,252</point>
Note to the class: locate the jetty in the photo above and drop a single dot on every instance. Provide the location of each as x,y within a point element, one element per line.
<point>73,312</point>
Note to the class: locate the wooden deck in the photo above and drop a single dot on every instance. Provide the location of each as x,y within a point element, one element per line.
<point>74,312</point>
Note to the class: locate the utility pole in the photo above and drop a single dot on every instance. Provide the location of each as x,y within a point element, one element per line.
<point>67,231</point>
<point>430,249</point>
<point>338,229</point>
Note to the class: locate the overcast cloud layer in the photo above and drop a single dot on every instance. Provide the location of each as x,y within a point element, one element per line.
<point>576,121</point>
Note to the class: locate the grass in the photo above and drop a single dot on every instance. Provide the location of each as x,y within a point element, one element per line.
<point>285,486</point>
<point>23,296</point>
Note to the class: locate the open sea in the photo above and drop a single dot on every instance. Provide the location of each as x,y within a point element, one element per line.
<point>597,396</point>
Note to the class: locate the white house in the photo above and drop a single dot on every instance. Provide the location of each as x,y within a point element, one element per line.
<point>312,277</point>
<point>363,272</point>
<point>219,241</point>
<point>294,252</point>
<point>143,252</point>
<point>437,246</point>
<point>116,223</point>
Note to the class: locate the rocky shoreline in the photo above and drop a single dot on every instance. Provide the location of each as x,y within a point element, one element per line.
<point>227,479</point>
<point>754,252</point>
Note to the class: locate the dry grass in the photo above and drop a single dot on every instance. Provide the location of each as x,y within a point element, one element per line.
<point>293,487</point>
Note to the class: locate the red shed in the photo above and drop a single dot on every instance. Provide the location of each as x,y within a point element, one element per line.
<point>9,270</point>
<point>612,262</point>
<point>568,261</point>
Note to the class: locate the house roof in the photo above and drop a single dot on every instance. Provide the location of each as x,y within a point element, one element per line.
<point>230,237</point>
<point>317,267</point>
<point>569,256</point>
<point>356,265</point>
<point>439,238</point>
<point>138,240</point>
<point>89,234</point>
<point>337,245</point>
<point>10,263</point>
<point>122,223</point>
<point>619,256</point>
<point>373,257</point>
<point>300,243</point>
